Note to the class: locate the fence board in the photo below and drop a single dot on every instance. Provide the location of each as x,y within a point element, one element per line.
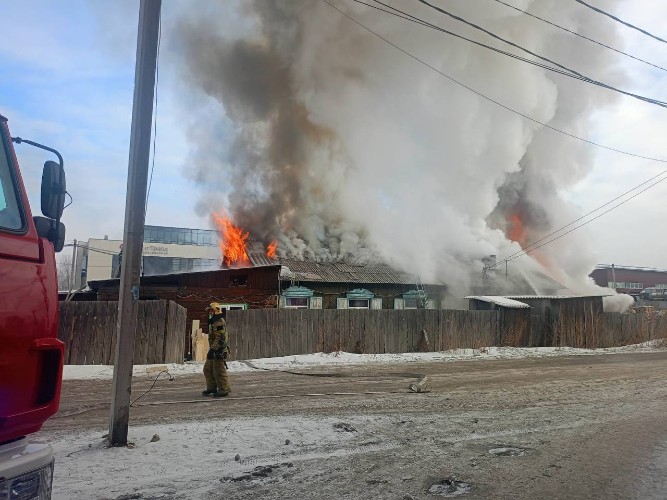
<point>89,332</point>
<point>283,332</point>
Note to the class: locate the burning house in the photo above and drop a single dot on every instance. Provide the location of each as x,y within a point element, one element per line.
<point>252,276</point>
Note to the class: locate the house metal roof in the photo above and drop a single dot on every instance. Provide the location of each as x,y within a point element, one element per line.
<point>499,301</point>
<point>551,297</point>
<point>260,259</point>
<point>343,272</point>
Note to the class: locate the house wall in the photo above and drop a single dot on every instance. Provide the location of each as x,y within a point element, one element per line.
<point>332,291</point>
<point>195,291</point>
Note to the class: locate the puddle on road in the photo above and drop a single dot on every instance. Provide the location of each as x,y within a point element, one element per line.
<point>449,487</point>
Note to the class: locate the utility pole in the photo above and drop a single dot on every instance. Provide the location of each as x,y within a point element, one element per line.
<point>613,275</point>
<point>72,284</point>
<point>135,213</point>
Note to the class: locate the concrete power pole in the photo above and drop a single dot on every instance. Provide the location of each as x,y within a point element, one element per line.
<point>135,212</point>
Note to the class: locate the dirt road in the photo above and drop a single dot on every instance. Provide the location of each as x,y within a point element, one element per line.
<point>570,427</point>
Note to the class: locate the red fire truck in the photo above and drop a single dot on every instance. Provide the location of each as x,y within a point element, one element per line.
<point>31,356</point>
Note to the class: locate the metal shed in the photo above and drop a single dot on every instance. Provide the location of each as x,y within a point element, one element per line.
<point>514,318</point>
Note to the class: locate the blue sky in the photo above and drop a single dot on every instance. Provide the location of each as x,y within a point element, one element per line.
<point>66,80</point>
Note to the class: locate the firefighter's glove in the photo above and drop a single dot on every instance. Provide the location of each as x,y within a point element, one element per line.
<point>211,354</point>
<point>220,354</point>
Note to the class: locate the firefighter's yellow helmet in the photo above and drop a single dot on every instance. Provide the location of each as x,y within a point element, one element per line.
<point>215,308</point>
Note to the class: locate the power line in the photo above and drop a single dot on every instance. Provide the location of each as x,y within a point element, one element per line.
<point>567,72</point>
<point>497,37</point>
<point>580,35</point>
<point>485,97</point>
<point>600,11</point>
<point>514,256</point>
<point>583,224</point>
<point>528,247</point>
<point>417,20</point>
<point>93,249</point>
<point>157,82</point>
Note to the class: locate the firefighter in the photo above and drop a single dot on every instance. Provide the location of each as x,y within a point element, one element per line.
<point>215,368</point>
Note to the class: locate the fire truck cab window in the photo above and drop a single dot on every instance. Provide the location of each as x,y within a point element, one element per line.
<point>10,214</point>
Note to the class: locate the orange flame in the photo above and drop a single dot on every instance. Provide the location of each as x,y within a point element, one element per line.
<point>271,249</point>
<point>232,241</point>
<point>516,230</point>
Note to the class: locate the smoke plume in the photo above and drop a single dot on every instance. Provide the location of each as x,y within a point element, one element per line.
<point>345,148</point>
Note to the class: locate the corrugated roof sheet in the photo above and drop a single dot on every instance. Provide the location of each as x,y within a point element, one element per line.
<point>343,272</point>
<point>260,259</point>
<point>500,301</point>
<point>551,297</point>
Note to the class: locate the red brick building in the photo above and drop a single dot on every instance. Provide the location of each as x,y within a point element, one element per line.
<point>631,280</point>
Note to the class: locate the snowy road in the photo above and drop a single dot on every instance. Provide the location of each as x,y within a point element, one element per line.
<point>552,427</point>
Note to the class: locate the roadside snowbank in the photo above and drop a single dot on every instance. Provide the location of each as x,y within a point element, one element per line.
<point>195,458</point>
<point>82,372</point>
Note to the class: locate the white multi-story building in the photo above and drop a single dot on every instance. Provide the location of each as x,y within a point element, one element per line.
<point>166,250</point>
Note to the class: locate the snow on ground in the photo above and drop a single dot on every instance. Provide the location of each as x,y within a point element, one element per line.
<point>195,457</point>
<point>80,372</point>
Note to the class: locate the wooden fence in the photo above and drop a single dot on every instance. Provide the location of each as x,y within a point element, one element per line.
<point>283,332</point>
<point>89,332</point>
<point>609,329</point>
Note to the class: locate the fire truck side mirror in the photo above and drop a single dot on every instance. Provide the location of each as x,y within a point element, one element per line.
<point>53,190</point>
<point>47,228</point>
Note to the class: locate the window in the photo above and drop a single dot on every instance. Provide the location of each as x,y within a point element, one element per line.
<point>626,285</point>
<point>238,280</point>
<point>10,213</point>
<point>296,302</point>
<point>358,304</point>
<point>410,304</point>
<point>661,285</point>
<point>180,236</point>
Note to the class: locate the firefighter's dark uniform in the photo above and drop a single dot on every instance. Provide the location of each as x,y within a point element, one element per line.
<point>215,371</point>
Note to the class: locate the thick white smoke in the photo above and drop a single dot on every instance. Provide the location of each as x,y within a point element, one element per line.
<point>346,148</point>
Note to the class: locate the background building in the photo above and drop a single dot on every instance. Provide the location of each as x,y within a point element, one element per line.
<point>166,250</point>
<point>630,280</point>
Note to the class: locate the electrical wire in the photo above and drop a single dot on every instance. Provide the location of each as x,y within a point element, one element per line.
<point>526,117</point>
<point>171,378</point>
<point>580,35</point>
<point>417,20</point>
<point>600,11</point>
<point>566,72</point>
<point>92,249</point>
<point>157,81</point>
<point>583,224</point>
<point>581,218</point>
<point>497,37</point>
<point>485,97</point>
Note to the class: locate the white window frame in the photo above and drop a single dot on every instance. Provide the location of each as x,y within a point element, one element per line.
<point>350,306</point>
<point>234,307</point>
<point>289,306</point>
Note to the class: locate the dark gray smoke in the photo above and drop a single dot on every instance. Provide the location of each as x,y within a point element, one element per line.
<point>346,148</point>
